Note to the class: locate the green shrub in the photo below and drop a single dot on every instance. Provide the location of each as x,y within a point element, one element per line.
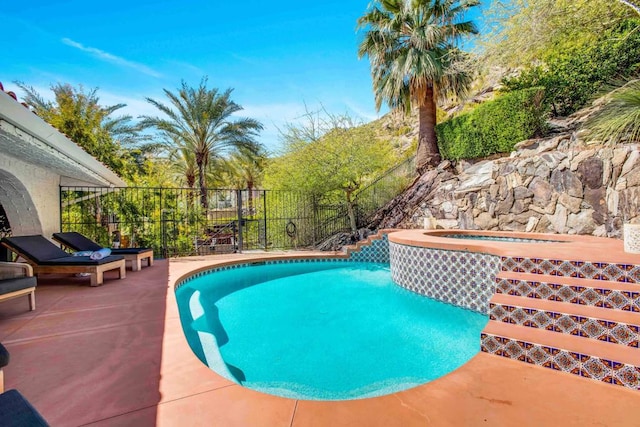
<point>495,126</point>
<point>574,73</point>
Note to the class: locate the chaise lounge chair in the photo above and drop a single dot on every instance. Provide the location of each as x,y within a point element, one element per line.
<point>15,410</point>
<point>16,280</point>
<point>77,242</point>
<point>46,257</point>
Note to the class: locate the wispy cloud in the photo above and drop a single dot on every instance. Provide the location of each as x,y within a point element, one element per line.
<point>247,60</point>
<point>187,66</point>
<point>363,114</point>
<point>108,57</point>
<point>135,106</point>
<point>274,117</point>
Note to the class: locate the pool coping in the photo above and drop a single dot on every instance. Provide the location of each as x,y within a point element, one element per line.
<point>457,388</point>
<point>581,248</point>
<point>122,359</point>
<point>332,259</point>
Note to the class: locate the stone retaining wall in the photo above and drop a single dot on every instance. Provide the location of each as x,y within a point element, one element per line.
<point>557,185</point>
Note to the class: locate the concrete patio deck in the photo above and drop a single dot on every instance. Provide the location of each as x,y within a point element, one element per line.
<point>116,356</point>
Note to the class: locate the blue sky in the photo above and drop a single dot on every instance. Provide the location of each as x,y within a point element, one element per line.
<point>277,56</point>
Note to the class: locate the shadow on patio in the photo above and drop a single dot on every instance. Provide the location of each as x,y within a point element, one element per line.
<point>116,355</point>
<point>89,354</point>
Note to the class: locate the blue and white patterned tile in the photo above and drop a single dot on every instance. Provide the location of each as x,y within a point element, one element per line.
<point>469,283</point>
<point>376,251</point>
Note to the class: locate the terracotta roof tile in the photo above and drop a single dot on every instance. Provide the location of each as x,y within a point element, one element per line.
<point>15,97</point>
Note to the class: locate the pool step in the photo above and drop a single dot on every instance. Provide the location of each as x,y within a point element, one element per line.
<point>629,273</point>
<point>602,361</point>
<point>590,322</point>
<point>374,248</point>
<point>579,317</point>
<point>590,292</point>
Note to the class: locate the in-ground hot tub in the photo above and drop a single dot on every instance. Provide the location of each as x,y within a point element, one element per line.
<point>496,238</point>
<point>459,266</point>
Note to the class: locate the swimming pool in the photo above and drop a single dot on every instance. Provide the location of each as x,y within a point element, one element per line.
<point>328,330</point>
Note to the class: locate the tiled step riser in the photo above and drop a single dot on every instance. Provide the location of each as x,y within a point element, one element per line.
<point>629,273</point>
<point>376,249</point>
<point>582,295</point>
<point>580,326</point>
<point>586,366</point>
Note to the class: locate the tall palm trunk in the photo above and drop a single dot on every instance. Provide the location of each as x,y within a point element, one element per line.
<point>428,153</point>
<point>191,184</point>
<point>250,196</point>
<point>201,181</point>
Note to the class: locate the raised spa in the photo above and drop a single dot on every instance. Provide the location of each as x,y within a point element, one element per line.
<point>495,238</point>
<point>322,330</point>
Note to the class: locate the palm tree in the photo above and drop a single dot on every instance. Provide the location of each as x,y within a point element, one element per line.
<point>200,119</point>
<point>77,113</point>
<point>245,170</point>
<point>184,164</point>
<point>411,47</point>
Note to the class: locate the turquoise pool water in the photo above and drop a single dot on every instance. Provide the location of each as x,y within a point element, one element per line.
<point>323,330</point>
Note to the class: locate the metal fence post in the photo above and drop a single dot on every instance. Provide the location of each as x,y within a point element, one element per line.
<point>264,198</point>
<point>163,237</point>
<point>239,203</point>
<point>145,212</point>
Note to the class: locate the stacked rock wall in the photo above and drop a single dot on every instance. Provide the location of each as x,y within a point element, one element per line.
<point>556,185</point>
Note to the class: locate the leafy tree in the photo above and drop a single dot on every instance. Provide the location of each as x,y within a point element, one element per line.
<point>527,31</point>
<point>78,114</point>
<point>157,172</point>
<point>619,117</point>
<point>328,156</point>
<point>575,73</point>
<point>200,120</point>
<point>411,47</point>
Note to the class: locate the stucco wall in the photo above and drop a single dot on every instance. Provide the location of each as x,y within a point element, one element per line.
<point>30,196</point>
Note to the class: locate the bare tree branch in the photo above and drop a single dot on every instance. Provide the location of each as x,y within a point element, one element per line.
<point>632,5</point>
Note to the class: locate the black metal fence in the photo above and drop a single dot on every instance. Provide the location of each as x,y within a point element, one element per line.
<point>173,222</point>
<point>382,190</point>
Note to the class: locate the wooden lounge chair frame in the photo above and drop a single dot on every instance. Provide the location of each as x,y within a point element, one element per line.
<point>78,242</point>
<point>22,270</point>
<point>15,410</point>
<point>96,271</point>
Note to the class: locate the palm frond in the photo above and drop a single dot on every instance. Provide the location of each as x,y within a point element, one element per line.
<point>409,43</point>
<point>202,121</point>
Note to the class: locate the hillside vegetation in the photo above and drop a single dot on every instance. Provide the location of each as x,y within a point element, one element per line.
<point>548,59</point>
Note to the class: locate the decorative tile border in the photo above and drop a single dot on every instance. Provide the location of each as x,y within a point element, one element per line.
<point>376,251</point>
<point>584,365</point>
<point>464,279</point>
<point>253,263</point>
<point>597,297</point>
<point>629,273</point>
<point>497,238</point>
<point>580,326</point>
